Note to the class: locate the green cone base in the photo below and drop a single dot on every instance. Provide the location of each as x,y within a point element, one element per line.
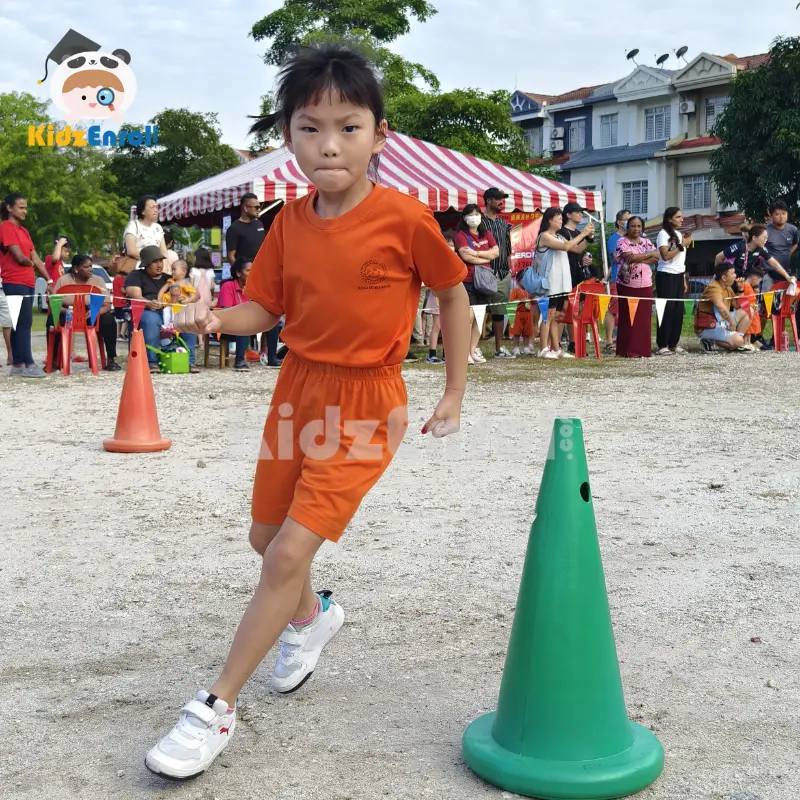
<point>601,779</point>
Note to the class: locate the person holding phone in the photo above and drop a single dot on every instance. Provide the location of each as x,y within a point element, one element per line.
<point>671,281</point>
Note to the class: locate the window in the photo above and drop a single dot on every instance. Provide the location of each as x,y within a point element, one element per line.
<point>534,137</point>
<point>657,123</point>
<point>714,107</point>
<point>634,197</point>
<point>577,135</point>
<point>588,188</point>
<point>696,192</point>
<point>608,128</point>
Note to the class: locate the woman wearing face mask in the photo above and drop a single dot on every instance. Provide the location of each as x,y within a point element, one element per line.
<point>475,245</point>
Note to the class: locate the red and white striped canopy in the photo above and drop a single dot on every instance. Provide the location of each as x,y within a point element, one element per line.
<point>440,177</point>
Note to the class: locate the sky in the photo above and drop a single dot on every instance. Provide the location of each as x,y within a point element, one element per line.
<point>198,54</point>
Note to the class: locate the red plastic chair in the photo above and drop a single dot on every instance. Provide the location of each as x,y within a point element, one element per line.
<point>588,314</point>
<point>787,311</point>
<point>78,325</point>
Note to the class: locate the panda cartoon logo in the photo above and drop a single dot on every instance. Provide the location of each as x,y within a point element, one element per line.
<point>89,83</point>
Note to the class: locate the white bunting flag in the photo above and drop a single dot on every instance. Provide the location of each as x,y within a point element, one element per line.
<point>480,316</point>
<point>661,304</point>
<point>14,305</point>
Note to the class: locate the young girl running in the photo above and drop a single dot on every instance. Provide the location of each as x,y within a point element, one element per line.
<point>340,382</point>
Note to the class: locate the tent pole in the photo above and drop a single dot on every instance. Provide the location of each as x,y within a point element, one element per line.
<point>606,274</point>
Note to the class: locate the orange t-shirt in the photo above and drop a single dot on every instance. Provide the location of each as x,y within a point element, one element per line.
<point>349,286</point>
<point>747,302</point>
<point>521,294</point>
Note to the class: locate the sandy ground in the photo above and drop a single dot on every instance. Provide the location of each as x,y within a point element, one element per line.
<point>123,579</point>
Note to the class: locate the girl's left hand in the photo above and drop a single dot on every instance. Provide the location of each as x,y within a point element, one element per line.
<point>447,417</point>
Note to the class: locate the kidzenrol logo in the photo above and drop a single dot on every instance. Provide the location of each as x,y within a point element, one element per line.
<point>89,83</point>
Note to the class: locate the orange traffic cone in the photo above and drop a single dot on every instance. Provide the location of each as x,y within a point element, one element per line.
<point>137,421</point>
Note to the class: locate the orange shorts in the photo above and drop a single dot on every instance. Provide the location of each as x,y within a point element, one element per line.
<point>523,324</point>
<point>330,434</point>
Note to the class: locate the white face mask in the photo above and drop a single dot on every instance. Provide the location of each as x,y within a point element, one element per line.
<point>473,220</point>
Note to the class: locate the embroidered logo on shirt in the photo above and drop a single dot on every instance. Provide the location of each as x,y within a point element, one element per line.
<point>374,273</point>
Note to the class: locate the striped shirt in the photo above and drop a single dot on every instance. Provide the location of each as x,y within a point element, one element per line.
<point>501,231</point>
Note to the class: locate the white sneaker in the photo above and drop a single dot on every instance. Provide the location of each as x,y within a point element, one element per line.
<point>543,352</point>
<point>203,731</point>
<point>478,356</point>
<point>565,354</point>
<point>470,360</point>
<point>529,351</point>
<point>553,354</point>
<point>665,351</point>
<point>516,352</point>
<point>300,650</point>
<point>503,353</point>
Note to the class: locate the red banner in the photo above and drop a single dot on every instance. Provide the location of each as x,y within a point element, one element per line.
<point>524,233</point>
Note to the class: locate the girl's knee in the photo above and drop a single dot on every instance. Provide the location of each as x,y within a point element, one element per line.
<point>261,535</point>
<point>291,552</point>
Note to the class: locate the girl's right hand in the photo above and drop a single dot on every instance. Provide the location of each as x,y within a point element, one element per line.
<point>197,318</point>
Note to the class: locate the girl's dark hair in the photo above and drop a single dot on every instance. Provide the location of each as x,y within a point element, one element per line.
<point>754,232</point>
<point>236,269</point>
<point>8,201</point>
<point>631,219</point>
<point>548,215</point>
<point>142,202</point>
<point>168,238</point>
<point>667,225</point>
<point>78,259</point>
<point>202,259</point>
<point>311,73</point>
<point>469,209</point>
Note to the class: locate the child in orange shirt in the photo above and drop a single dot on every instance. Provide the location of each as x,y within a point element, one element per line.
<point>339,409</point>
<point>527,314</point>
<point>752,279</point>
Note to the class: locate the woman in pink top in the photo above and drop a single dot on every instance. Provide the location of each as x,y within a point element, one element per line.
<point>636,257</point>
<point>230,294</point>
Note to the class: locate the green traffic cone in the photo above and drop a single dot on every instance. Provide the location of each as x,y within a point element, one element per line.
<point>561,731</point>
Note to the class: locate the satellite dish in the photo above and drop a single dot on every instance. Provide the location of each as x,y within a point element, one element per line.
<point>661,59</point>
<point>681,52</point>
<point>632,56</point>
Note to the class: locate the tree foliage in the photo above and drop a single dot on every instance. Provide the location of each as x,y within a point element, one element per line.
<point>759,160</point>
<point>189,149</point>
<point>468,120</point>
<point>383,20</point>
<point>67,188</point>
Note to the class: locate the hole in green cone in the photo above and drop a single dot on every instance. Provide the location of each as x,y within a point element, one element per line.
<point>585,491</point>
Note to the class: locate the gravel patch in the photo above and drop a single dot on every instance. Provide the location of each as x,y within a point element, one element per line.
<point>123,579</point>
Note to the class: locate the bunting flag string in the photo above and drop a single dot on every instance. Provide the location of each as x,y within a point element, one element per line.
<point>137,309</point>
<point>603,300</point>
<point>480,315</point>
<point>633,304</point>
<point>768,297</point>
<point>544,306</point>
<point>14,307</point>
<point>56,301</point>
<point>661,304</point>
<point>511,311</point>
<point>95,304</point>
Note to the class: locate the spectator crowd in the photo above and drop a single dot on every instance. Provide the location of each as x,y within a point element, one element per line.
<point>152,282</point>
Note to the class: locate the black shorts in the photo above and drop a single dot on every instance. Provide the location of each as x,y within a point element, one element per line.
<point>557,303</point>
<point>475,298</point>
<point>122,314</point>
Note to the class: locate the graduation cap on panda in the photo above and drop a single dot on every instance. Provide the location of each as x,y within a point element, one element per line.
<point>71,44</point>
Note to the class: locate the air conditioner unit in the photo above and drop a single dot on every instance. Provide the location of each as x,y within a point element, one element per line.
<point>557,133</point>
<point>687,107</point>
<point>556,145</point>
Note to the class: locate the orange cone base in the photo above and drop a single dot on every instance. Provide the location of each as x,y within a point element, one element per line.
<point>619,775</point>
<point>123,446</point>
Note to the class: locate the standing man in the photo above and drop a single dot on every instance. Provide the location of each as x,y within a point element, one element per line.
<point>620,229</point>
<point>243,240</point>
<point>494,200</point>
<point>781,241</point>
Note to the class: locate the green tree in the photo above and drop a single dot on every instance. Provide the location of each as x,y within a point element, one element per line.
<point>471,121</point>
<point>759,160</point>
<point>69,189</point>
<point>189,149</point>
<point>383,20</point>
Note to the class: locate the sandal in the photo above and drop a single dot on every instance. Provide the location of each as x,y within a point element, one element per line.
<point>154,370</point>
<point>193,370</point>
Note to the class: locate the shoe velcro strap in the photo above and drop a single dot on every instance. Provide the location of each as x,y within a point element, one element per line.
<point>200,710</point>
<point>290,637</point>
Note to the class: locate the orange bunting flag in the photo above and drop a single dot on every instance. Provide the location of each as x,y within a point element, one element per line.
<point>768,297</point>
<point>219,335</point>
<point>604,300</point>
<point>633,304</point>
